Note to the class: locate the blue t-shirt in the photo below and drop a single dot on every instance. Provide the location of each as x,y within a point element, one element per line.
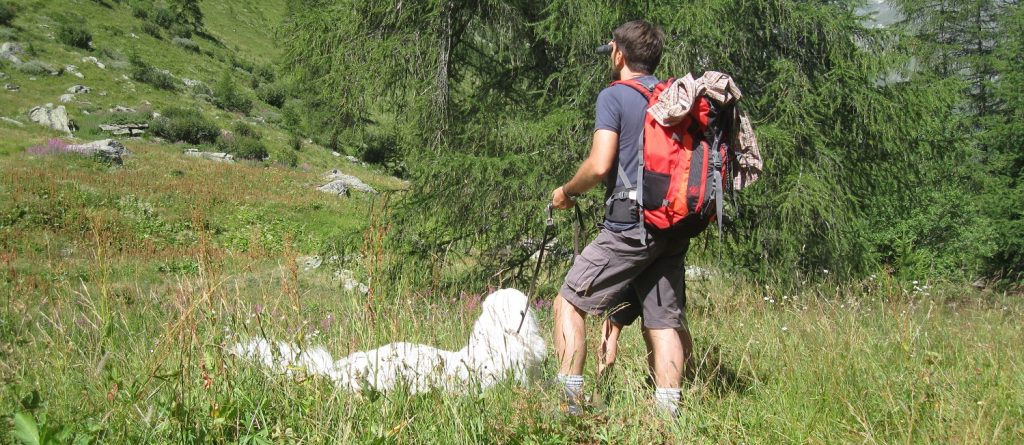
<point>620,108</point>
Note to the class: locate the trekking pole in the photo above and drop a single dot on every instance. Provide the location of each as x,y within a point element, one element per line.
<point>549,225</point>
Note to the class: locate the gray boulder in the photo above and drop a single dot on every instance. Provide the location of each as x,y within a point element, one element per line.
<point>10,51</point>
<point>340,181</point>
<point>125,129</point>
<point>94,61</point>
<point>73,70</point>
<point>108,149</point>
<point>218,157</point>
<point>65,98</point>
<point>55,118</point>
<point>11,87</point>
<point>79,89</point>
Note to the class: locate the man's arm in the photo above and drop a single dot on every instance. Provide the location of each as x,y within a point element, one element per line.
<point>592,171</point>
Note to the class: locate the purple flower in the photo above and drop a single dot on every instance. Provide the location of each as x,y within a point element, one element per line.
<point>53,146</point>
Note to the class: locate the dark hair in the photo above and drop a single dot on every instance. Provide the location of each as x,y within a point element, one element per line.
<point>641,44</point>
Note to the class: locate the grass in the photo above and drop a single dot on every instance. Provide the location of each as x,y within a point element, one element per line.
<point>125,285</point>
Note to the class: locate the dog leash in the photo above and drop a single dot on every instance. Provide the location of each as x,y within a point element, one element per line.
<point>549,226</point>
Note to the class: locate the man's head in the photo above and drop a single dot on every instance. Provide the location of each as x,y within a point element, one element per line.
<point>637,45</point>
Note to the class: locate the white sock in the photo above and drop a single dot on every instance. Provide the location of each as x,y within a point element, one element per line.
<point>667,400</point>
<point>573,385</point>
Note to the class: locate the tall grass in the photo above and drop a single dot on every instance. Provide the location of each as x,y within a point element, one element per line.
<point>120,310</point>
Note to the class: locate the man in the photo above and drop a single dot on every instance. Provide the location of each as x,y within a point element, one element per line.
<point>618,258</point>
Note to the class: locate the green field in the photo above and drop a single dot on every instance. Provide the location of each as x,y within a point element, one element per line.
<point>125,287</point>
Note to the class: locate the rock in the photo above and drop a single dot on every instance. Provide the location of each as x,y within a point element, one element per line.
<point>10,51</point>
<point>11,87</point>
<point>65,98</point>
<point>3,75</point>
<point>697,272</point>
<point>335,188</point>
<point>334,153</point>
<point>352,159</point>
<point>349,181</point>
<point>108,149</point>
<point>73,70</point>
<point>125,129</point>
<point>55,118</point>
<point>349,282</point>
<point>218,157</point>
<point>12,121</point>
<point>94,61</point>
<point>191,83</point>
<point>79,89</point>
<point>309,263</point>
<point>121,109</point>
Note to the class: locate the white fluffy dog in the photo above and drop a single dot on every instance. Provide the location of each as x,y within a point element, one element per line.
<point>494,351</point>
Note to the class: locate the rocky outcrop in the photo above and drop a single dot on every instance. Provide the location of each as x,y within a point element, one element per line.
<point>340,183</point>
<point>10,52</point>
<point>55,118</point>
<point>130,130</point>
<point>79,89</point>
<point>94,61</point>
<point>107,149</point>
<point>73,70</point>
<point>218,157</point>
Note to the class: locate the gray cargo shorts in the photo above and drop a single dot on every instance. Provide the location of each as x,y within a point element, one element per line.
<point>597,281</point>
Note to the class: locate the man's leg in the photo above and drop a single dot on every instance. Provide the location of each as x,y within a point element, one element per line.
<point>570,337</point>
<point>571,349</point>
<point>609,345</point>
<point>687,341</point>
<point>669,358</point>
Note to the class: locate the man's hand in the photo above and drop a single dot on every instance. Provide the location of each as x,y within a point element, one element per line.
<point>560,200</point>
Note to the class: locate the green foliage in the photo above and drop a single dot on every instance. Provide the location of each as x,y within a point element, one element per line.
<point>8,11</point>
<point>289,158</point>
<point>35,67</point>
<point>152,29</point>
<point>75,34</point>
<point>188,44</point>
<point>241,128</point>
<point>185,124</point>
<point>145,73</point>
<point>228,96</point>
<point>164,17</point>
<point>242,147</point>
<point>273,94</point>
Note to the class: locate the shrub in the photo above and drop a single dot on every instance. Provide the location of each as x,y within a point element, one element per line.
<point>7,13</point>
<point>143,72</point>
<point>243,129</point>
<point>180,30</point>
<point>288,158</point>
<point>35,67</point>
<point>188,44</point>
<point>263,74</point>
<point>227,95</point>
<point>164,18</point>
<point>185,124</point>
<point>74,34</point>
<point>140,9</point>
<point>272,93</point>
<point>152,29</point>
<point>242,147</point>
<point>295,142</point>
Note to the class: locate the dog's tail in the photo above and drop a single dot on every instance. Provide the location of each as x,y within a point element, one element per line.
<point>287,357</point>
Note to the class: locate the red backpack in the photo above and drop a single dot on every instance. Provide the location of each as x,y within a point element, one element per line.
<point>681,167</point>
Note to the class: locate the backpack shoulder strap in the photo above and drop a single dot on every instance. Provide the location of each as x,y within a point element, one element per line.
<point>646,90</point>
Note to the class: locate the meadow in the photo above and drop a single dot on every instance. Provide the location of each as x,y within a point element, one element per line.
<point>125,287</point>
<point>121,307</point>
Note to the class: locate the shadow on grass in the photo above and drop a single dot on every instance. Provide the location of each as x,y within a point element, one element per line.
<point>717,372</point>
